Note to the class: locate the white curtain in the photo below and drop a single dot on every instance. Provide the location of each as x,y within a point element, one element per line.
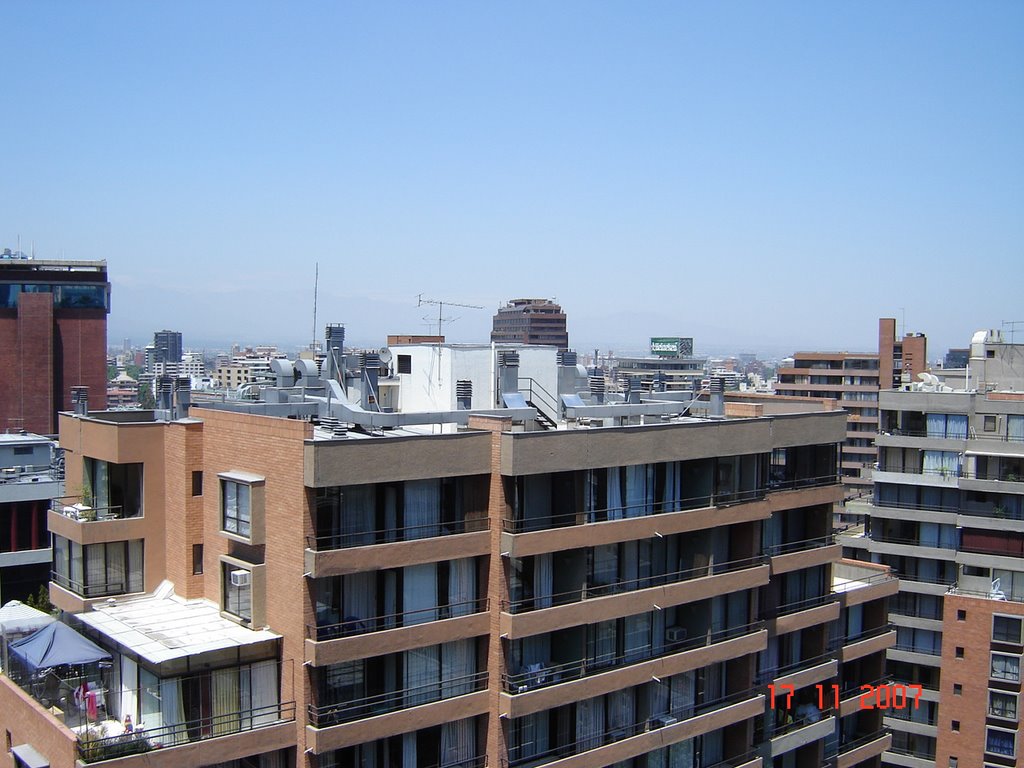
<point>357,516</point>
<point>956,426</point>
<point>409,750</point>
<point>614,494</point>
<point>462,586</point>
<point>116,573</point>
<point>422,673</point>
<point>390,513</point>
<point>458,744</point>
<point>129,688</point>
<point>936,423</point>
<point>102,487</point>
<point>629,571</point>
<point>264,693</point>
<point>621,710</point>
<point>458,663</point>
<point>77,570</point>
<point>95,571</point>
<point>603,642</point>
<point>1015,427</point>
<point>419,594</point>
<point>172,711</point>
<point>136,566</point>
<point>590,495</point>
<point>670,499</point>
<point>681,755</point>
<point>422,509</point>
<point>390,599</point>
<point>225,701</point>
<point>359,599</point>
<point>606,564</point>
<point>929,534</point>
<point>543,575</point>
<point>638,636</point>
<point>589,724</point>
<point>636,490</point>
<point>683,694</point>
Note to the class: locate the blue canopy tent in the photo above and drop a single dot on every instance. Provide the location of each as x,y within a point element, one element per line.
<point>55,645</point>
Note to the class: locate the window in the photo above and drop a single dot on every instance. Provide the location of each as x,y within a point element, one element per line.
<point>1002,704</point>
<point>999,742</point>
<point>23,450</point>
<point>1006,629</point>
<point>197,559</point>
<point>990,424</point>
<point>959,651</point>
<point>98,570</point>
<point>961,615</point>
<point>405,363</point>
<point>236,507</point>
<point>955,726</point>
<point>1005,667</point>
<point>197,483</point>
<point>237,589</point>
<point>958,689</point>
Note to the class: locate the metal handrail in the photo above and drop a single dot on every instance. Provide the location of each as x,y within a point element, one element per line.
<point>73,507</point>
<point>588,590</point>
<point>353,625</point>
<point>88,590</point>
<point>326,542</point>
<point>521,682</point>
<point>144,739</point>
<point>326,715</point>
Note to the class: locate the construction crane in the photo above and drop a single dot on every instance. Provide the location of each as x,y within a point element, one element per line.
<point>420,301</point>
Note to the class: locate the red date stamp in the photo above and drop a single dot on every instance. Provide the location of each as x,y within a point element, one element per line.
<point>895,696</point>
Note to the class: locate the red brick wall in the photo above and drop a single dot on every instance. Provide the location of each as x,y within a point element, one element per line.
<point>82,338</point>
<point>28,723</point>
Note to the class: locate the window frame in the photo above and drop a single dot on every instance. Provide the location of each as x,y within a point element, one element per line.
<point>238,524</point>
<point>1013,738</point>
<point>991,670</point>
<point>1011,618</point>
<point>1016,705</point>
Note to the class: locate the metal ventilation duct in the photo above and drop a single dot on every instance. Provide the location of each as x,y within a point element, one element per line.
<point>80,400</point>
<point>464,394</point>
<point>597,387</point>
<point>566,358</point>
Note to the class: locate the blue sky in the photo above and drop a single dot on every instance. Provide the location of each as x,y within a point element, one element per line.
<point>762,176</point>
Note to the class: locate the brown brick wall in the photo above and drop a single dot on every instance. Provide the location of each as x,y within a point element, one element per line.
<point>28,723</point>
<point>974,635</point>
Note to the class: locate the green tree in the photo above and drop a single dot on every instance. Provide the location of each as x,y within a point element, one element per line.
<point>146,399</point>
<point>41,601</point>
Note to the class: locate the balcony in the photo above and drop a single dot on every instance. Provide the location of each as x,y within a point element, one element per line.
<point>814,727</point>
<point>89,591</point>
<point>796,555</point>
<point>863,748</point>
<point>800,674</point>
<point>338,554</point>
<point>872,641</point>
<point>618,605</point>
<point>360,638</point>
<point>591,589</point>
<point>615,745</point>
<point>548,686</point>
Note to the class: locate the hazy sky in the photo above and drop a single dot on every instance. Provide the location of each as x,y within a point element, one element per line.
<point>765,175</point>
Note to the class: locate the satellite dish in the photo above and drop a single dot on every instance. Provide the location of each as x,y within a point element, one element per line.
<point>385,355</point>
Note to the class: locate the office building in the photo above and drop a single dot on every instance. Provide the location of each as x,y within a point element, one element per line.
<point>946,514</point>
<point>167,347</point>
<point>530,321</point>
<point>53,336</point>
<point>313,580</point>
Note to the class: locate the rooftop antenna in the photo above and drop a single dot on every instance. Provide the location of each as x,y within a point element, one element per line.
<point>1013,327</point>
<point>316,286</point>
<point>420,301</point>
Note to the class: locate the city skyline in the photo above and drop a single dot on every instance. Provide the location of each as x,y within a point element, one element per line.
<point>677,171</point>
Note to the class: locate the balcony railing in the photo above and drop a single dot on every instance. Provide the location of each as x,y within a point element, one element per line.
<point>105,589</point>
<point>345,540</point>
<point>94,747</point>
<point>785,609</point>
<point>77,509</point>
<point>789,547</point>
<point>26,473</point>
<point>525,754</point>
<point>666,506</point>
<point>590,589</point>
<point>765,676</point>
<point>353,625</point>
<point>543,675</point>
<point>326,715</point>
<point>911,648</point>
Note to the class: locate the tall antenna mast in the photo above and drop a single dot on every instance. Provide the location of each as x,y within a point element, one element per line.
<point>420,301</point>
<point>316,287</point>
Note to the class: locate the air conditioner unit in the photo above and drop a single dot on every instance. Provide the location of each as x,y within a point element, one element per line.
<point>240,578</point>
<point>675,634</point>
<point>660,721</point>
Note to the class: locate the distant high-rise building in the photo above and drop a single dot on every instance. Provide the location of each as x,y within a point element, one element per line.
<point>530,321</point>
<point>956,358</point>
<point>53,336</point>
<point>168,346</point>
<point>854,379</point>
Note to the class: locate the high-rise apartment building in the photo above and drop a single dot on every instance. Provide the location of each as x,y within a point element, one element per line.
<point>53,336</point>
<point>854,379</point>
<point>946,514</point>
<point>307,580</point>
<point>530,321</point>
